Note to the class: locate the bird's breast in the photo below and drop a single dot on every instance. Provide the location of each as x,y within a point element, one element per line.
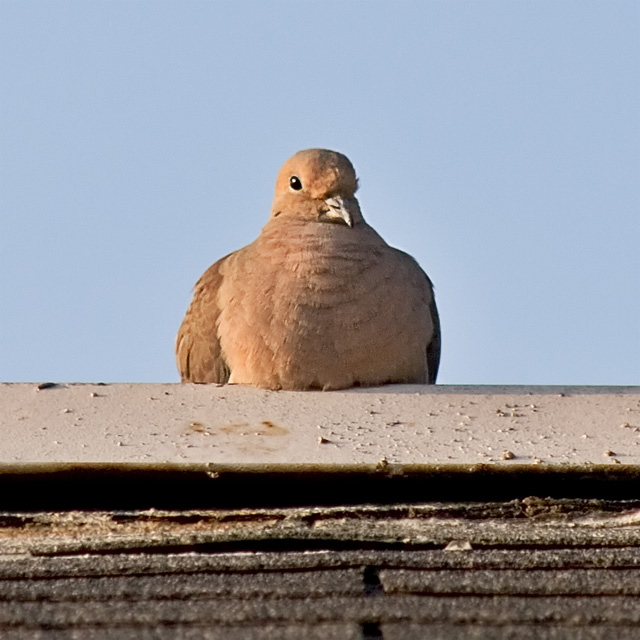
<point>314,308</point>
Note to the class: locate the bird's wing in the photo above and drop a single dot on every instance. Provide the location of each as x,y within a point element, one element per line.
<point>198,352</point>
<point>420,287</point>
<point>433,348</point>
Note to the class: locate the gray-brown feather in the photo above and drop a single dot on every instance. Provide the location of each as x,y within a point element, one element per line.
<point>198,352</point>
<point>434,340</point>
<point>433,348</point>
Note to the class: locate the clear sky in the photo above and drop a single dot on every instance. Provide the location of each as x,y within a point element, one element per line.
<point>497,141</point>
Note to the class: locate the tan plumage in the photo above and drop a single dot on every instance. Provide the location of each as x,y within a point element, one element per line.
<point>317,301</point>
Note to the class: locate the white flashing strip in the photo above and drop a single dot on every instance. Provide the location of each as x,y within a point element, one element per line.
<point>401,428</point>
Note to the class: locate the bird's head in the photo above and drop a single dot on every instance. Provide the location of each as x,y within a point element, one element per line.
<point>317,185</point>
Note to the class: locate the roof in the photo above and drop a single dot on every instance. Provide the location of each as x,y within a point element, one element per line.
<point>410,428</point>
<point>391,540</point>
<point>527,569</point>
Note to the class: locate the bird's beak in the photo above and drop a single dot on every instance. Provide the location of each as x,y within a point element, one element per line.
<point>338,211</point>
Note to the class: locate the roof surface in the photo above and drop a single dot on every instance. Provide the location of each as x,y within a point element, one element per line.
<point>525,569</point>
<point>233,427</point>
<point>191,511</point>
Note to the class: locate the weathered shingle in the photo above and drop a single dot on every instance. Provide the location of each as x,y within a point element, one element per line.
<point>192,512</point>
<point>521,590</point>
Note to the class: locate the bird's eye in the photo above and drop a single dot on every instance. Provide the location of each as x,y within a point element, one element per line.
<point>294,183</point>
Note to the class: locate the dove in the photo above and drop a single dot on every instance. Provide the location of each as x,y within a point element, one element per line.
<point>318,301</point>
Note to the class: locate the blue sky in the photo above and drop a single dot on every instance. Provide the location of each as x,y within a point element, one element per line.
<point>496,141</point>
